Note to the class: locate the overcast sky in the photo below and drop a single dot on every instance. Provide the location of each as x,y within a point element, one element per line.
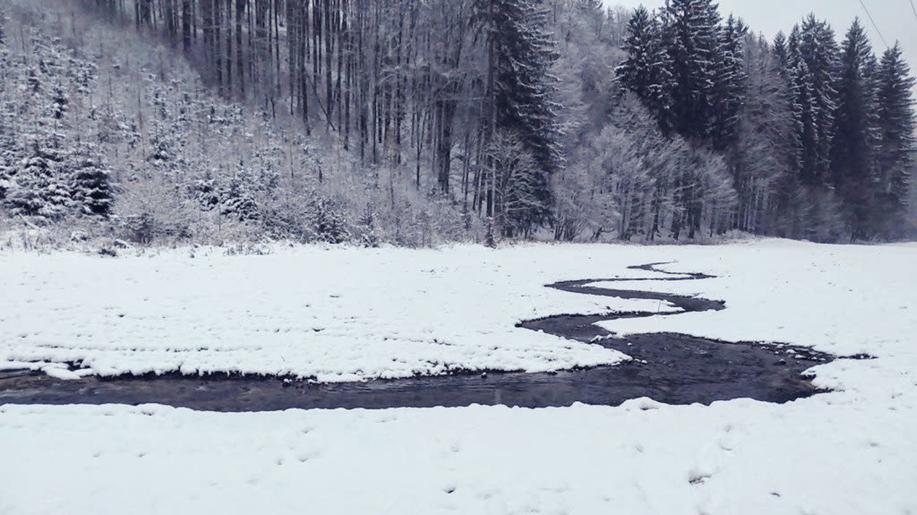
<point>894,18</point>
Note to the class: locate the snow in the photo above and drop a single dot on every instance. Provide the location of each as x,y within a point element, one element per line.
<point>853,451</point>
<point>335,315</point>
<point>354,314</point>
<point>827,455</point>
<point>845,300</point>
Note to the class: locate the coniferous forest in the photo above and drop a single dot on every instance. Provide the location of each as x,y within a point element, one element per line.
<point>417,122</point>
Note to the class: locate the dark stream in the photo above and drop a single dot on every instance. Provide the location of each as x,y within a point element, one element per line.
<point>670,368</point>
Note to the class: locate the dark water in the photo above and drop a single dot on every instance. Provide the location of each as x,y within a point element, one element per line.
<point>670,368</point>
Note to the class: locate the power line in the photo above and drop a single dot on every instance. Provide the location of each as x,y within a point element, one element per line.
<point>869,15</point>
<point>913,8</point>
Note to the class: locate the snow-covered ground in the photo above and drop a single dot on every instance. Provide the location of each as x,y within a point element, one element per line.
<point>353,313</point>
<point>336,315</point>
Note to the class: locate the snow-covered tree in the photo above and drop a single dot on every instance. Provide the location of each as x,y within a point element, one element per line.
<point>38,191</point>
<point>515,183</point>
<point>762,156</point>
<point>91,191</point>
<point>854,130</point>
<point>813,56</point>
<point>781,53</point>
<point>647,69</point>
<point>237,200</point>
<point>692,40</point>
<point>730,82</point>
<point>327,221</point>
<point>8,117</point>
<point>2,25</point>
<point>520,89</point>
<point>896,149</point>
<point>60,102</point>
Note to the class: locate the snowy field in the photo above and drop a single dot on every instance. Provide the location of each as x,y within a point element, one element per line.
<point>351,313</point>
<point>336,315</point>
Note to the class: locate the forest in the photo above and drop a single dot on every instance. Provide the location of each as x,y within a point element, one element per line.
<point>420,122</point>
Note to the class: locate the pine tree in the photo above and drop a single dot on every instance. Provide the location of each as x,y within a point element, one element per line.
<point>692,39</point>
<point>37,190</point>
<point>2,26</point>
<point>60,102</point>
<point>781,52</point>
<point>90,181</point>
<point>896,148</point>
<point>813,46</point>
<point>515,183</point>
<point>7,116</point>
<point>730,84</point>
<point>7,159</point>
<point>520,89</point>
<point>762,157</point>
<point>327,222</point>
<point>646,70</point>
<point>851,157</point>
<point>236,200</point>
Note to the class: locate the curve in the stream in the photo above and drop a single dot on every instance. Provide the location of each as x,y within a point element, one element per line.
<point>670,368</point>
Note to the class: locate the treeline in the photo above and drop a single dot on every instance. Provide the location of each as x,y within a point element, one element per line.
<point>105,135</point>
<point>423,121</point>
<point>422,86</point>
<point>818,137</point>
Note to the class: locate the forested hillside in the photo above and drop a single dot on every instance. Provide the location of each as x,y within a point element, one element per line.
<point>417,122</point>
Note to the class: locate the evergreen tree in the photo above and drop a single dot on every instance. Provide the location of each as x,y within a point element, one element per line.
<point>90,181</point>
<point>813,58</point>
<point>520,88</point>
<point>781,52</point>
<point>36,189</point>
<point>851,156</point>
<point>327,222</point>
<point>762,157</point>
<point>60,102</point>
<point>7,117</point>
<point>806,206</point>
<point>730,83</point>
<point>2,26</point>
<point>236,200</point>
<point>692,39</point>
<point>646,71</point>
<point>896,148</point>
<point>515,182</point>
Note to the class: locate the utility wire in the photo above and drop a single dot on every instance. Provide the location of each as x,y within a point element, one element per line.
<point>871,20</point>
<point>913,8</point>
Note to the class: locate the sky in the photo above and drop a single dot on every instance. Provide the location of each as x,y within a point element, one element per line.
<point>895,19</point>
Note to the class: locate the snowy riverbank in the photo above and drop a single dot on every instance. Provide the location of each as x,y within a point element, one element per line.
<point>352,313</point>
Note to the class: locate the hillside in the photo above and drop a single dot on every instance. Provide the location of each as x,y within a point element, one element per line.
<point>418,123</point>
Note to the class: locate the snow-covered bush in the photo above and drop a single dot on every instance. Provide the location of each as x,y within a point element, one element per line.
<point>91,191</point>
<point>151,208</point>
<point>326,220</point>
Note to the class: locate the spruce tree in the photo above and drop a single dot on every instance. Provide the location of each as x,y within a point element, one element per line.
<point>60,102</point>
<point>762,156</point>
<point>7,116</point>
<point>814,46</point>
<point>646,71</point>
<point>896,148</point>
<point>236,199</point>
<point>90,181</point>
<point>781,52</point>
<point>521,52</point>
<point>730,84</point>
<point>36,190</point>
<point>851,155</point>
<point>2,26</point>
<point>692,39</point>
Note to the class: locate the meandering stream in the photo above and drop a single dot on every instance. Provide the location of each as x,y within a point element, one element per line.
<point>670,368</point>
